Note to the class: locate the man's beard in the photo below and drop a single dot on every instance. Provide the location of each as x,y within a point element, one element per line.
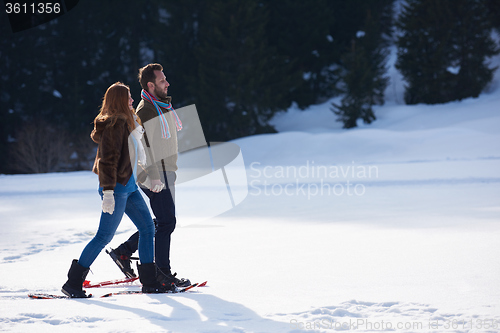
<point>160,93</point>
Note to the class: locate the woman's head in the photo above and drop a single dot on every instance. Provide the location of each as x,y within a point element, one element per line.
<point>117,103</point>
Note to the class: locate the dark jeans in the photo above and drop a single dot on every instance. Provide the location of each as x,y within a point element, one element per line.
<point>163,207</point>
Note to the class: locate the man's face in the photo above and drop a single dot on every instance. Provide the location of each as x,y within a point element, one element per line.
<point>161,85</point>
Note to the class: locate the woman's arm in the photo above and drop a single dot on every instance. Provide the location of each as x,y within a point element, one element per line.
<point>110,149</point>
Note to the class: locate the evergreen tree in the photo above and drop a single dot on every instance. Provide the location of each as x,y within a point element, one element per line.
<point>300,33</point>
<point>364,69</point>
<point>472,44</point>
<point>10,119</point>
<point>59,71</point>
<point>424,52</point>
<point>442,49</point>
<point>176,50</point>
<point>240,80</point>
<point>493,7</point>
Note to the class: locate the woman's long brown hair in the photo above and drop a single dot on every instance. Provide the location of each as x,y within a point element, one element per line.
<point>115,105</point>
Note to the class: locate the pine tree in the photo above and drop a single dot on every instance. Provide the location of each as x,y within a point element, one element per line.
<point>473,43</point>
<point>442,49</point>
<point>493,7</point>
<point>364,70</point>
<point>240,80</point>
<point>175,50</point>
<point>423,51</point>
<point>300,32</point>
<point>60,70</point>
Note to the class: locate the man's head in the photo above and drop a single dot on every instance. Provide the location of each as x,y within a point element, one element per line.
<point>153,80</point>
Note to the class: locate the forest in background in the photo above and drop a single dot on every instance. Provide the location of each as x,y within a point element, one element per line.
<point>240,62</point>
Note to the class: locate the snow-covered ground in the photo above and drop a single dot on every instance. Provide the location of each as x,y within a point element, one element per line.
<point>391,226</point>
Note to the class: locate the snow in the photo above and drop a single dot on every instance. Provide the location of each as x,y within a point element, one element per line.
<point>390,226</point>
<point>453,69</point>
<point>56,93</point>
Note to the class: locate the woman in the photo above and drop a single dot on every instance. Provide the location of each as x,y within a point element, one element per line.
<point>115,164</point>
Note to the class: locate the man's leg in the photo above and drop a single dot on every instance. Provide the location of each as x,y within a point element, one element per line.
<point>163,207</point>
<point>121,255</point>
<point>130,246</point>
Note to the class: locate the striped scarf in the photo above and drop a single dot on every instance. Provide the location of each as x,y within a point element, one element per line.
<point>165,132</point>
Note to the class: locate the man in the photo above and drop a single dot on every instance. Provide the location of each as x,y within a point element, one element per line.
<point>161,124</point>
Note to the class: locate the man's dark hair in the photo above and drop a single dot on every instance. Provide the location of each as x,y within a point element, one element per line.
<point>147,74</point>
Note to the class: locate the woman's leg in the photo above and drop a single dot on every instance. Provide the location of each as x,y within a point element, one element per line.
<point>107,228</point>
<point>137,210</point>
<point>129,246</point>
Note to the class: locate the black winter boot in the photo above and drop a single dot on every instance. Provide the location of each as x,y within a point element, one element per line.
<point>168,276</point>
<point>122,261</point>
<point>151,282</point>
<point>76,275</point>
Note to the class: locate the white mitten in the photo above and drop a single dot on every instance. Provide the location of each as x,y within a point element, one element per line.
<point>157,185</point>
<point>108,202</point>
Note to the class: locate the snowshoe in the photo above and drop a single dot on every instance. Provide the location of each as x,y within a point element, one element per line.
<point>123,262</point>
<point>172,278</point>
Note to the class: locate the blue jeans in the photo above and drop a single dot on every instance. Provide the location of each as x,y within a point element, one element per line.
<point>132,204</point>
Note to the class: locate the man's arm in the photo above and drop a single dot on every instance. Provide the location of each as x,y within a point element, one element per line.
<point>147,117</point>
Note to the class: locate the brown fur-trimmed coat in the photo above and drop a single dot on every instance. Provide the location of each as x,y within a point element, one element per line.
<point>112,162</point>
